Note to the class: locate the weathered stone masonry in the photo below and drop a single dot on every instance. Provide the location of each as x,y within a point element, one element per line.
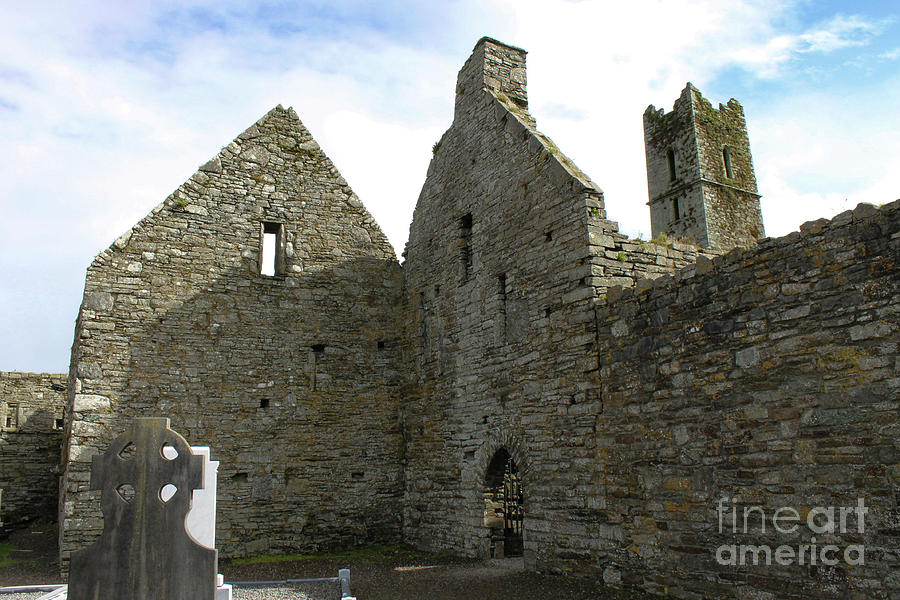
<point>31,434</point>
<point>769,377</point>
<point>633,384</point>
<point>290,378</point>
<point>700,173</point>
<point>504,345</point>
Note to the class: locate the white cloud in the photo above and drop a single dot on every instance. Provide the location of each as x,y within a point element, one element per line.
<point>106,109</point>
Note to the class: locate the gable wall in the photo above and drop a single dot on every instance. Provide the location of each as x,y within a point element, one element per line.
<point>282,376</point>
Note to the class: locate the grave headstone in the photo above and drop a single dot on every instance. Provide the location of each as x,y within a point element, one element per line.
<point>146,478</point>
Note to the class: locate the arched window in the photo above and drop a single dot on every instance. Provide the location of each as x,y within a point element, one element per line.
<point>726,157</point>
<point>670,155</point>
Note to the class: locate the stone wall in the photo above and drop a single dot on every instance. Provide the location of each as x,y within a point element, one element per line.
<point>634,384</point>
<point>290,378</point>
<point>508,249</point>
<point>766,378</point>
<point>31,434</point>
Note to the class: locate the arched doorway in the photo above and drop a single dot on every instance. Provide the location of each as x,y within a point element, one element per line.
<point>503,506</point>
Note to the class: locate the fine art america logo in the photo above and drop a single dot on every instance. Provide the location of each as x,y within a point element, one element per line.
<point>820,520</point>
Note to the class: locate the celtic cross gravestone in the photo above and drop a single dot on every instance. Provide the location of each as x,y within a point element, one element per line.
<point>146,477</point>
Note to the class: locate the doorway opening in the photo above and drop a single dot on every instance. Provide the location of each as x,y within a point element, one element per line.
<point>504,513</point>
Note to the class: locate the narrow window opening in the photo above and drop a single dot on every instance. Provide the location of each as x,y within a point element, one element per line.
<point>675,210</point>
<point>317,351</point>
<point>465,244</point>
<point>271,259</point>
<point>501,288</point>
<point>726,158</point>
<point>547,312</point>
<point>264,403</point>
<point>11,420</point>
<point>548,237</point>
<point>423,321</point>
<point>59,424</point>
<point>670,155</point>
<point>381,344</point>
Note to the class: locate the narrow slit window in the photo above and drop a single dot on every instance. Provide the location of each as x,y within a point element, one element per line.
<point>676,212</point>
<point>726,158</point>
<point>423,320</point>
<point>465,244</point>
<point>670,155</point>
<point>501,288</point>
<point>271,260</point>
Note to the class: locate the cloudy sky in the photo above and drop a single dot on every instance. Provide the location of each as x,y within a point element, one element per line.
<point>106,107</point>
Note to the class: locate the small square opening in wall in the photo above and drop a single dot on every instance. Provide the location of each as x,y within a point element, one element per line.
<point>382,344</point>
<point>11,418</point>
<point>264,403</point>
<point>59,424</point>
<point>318,348</point>
<point>271,249</point>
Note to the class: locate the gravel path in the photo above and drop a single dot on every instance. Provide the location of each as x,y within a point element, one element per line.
<point>22,596</point>
<point>270,593</point>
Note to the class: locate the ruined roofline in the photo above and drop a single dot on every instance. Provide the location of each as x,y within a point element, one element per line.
<point>689,93</point>
<point>213,167</point>
<point>17,374</point>
<point>863,213</point>
<point>122,241</point>
<point>488,38</point>
<point>548,145</point>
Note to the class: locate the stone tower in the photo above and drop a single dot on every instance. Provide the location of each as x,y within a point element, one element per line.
<point>700,173</point>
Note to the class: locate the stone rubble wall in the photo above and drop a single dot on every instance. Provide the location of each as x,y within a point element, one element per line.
<point>291,379</point>
<point>674,131</point>
<point>511,364</point>
<point>769,376</point>
<point>491,312</point>
<point>30,442</point>
<point>733,214</point>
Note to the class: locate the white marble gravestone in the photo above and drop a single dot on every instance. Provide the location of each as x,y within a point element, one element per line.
<point>201,519</point>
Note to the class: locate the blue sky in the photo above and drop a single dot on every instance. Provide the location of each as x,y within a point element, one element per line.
<point>106,107</point>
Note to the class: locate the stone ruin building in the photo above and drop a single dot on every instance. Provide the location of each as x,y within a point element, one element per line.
<point>530,380</point>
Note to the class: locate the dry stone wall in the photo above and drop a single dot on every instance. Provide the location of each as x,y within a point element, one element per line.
<point>31,434</point>
<point>768,378</point>
<point>290,378</point>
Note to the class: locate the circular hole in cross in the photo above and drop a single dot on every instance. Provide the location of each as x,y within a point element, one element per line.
<point>126,491</point>
<point>127,451</point>
<point>169,452</point>
<point>167,491</point>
